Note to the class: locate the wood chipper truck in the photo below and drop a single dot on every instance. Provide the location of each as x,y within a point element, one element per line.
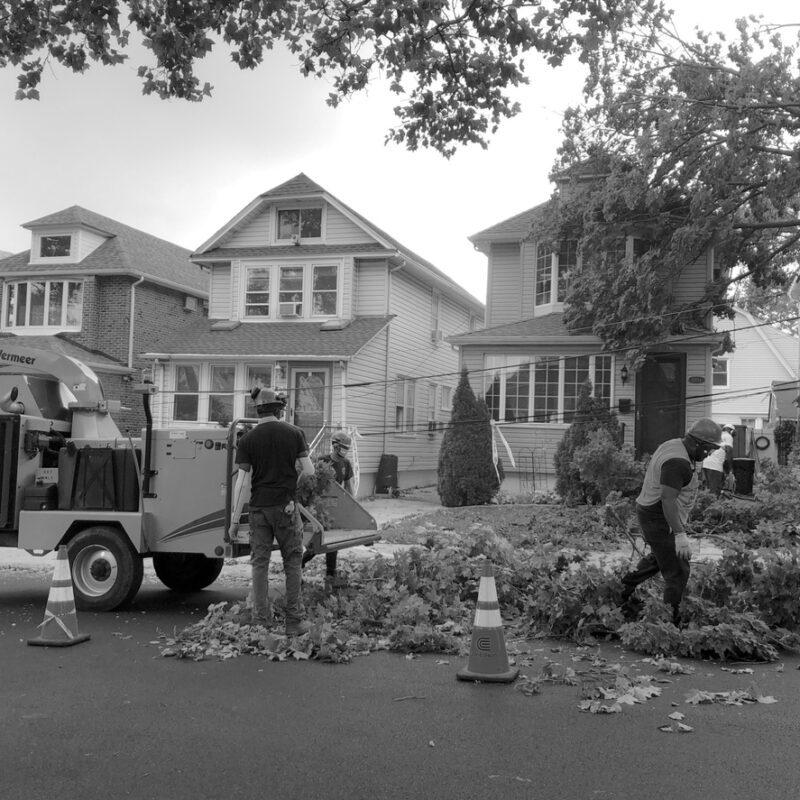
<point>69,477</point>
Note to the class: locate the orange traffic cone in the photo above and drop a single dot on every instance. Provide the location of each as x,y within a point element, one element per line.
<point>60,625</point>
<point>487,658</point>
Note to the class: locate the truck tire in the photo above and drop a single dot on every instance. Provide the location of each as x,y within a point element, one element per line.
<point>186,572</point>
<point>106,570</point>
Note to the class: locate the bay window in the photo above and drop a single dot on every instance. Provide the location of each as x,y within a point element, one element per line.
<point>44,304</point>
<point>543,388</point>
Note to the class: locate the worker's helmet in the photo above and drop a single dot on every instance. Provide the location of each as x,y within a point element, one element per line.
<point>262,396</point>
<point>341,439</point>
<point>730,428</point>
<point>706,430</point>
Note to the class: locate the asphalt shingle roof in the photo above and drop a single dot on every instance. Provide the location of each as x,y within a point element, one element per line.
<point>128,250</point>
<point>516,227</point>
<point>58,344</point>
<point>549,326</point>
<point>274,339</point>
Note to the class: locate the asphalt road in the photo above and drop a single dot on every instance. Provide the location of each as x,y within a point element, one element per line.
<point>110,718</point>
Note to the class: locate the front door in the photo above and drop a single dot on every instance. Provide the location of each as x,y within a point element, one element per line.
<point>308,400</point>
<point>660,401</point>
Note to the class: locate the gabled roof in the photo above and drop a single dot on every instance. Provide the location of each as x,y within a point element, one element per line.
<point>547,329</point>
<point>210,338</point>
<point>514,228</point>
<point>126,250</point>
<point>301,186</point>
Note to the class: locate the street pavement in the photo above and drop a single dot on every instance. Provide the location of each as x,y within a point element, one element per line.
<point>111,718</point>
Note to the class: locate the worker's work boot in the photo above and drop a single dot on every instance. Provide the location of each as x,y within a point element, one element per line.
<point>297,627</point>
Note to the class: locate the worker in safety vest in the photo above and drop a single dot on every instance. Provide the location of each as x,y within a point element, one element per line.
<point>662,508</point>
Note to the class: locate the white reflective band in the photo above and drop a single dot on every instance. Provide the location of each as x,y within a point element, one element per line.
<point>61,594</point>
<point>487,591</point>
<point>488,619</point>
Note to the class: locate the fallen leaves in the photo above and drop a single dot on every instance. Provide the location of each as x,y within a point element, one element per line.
<point>735,697</point>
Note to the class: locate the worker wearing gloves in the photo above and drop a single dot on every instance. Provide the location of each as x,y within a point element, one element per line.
<point>271,452</point>
<point>720,463</point>
<point>343,470</point>
<point>662,508</point>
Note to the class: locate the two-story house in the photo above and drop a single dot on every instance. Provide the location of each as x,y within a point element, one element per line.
<point>309,297</point>
<point>102,292</point>
<point>529,367</point>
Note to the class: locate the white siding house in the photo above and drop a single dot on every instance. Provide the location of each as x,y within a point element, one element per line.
<point>309,297</point>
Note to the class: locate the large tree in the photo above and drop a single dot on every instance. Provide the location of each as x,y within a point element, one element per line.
<point>453,63</point>
<point>681,145</point>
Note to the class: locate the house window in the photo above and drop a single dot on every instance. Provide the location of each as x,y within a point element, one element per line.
<point>55,246</point>
<point>44,304</point>
<point>220,397</point>
<point>545,388</point>
<point>290,292</point>
<point>303,222</point>
<point>553,271</point>
<point>325,290</point>
<point>431,407</point>
<point>404,406</point>
<point>720,374</point>
<point>256,298</point>
<point>446,398</point>
<point>187,392</point>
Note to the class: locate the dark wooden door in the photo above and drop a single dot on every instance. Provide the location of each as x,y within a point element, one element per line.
<point>660,401</point>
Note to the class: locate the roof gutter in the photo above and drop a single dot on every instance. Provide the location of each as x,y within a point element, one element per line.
<point>131,319</point>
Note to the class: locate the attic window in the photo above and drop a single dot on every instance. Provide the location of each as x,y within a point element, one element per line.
<point>55,246</point>
<point>303,222</point>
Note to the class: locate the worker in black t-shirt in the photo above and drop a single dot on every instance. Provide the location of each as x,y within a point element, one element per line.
<point>271,453</point>
<point>343,470</point>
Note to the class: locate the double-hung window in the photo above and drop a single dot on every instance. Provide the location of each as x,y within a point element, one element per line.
<point>543,388</point>
<point>257,294</point>
<point>295,290</point>
<point>187,393</point>
<point>304,223</point>
<point>290,291</point>
<point>220,397</point>
<point>404,405</point>
<point>720,374</point>
<point>55,304</point>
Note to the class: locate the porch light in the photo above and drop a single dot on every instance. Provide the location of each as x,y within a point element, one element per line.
<point>623,374</point>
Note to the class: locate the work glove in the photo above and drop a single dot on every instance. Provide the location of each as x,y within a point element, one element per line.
<point>682,547</point>
<point>233,530</point>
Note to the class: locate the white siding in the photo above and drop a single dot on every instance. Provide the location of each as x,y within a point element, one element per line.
<point>255,233</point>
<point>340,230</point>
<point>88,242</point>
<point>219,305</point>
<point>692,281</point>
<point>371,279</point>
<point>505,279</point>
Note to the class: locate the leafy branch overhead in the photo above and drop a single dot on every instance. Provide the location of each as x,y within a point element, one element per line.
<point>683,148</point>
<point>452,64</point>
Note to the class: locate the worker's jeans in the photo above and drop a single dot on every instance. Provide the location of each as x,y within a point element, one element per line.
<point>715,480</point>
<point>268,524</point>
<point>662,558</point>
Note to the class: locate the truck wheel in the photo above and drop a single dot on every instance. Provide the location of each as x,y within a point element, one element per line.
<point>106,570</point>
<point>186,572</point>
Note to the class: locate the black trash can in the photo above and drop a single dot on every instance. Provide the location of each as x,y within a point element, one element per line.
<point>743,472</point>
<point>386,480</point>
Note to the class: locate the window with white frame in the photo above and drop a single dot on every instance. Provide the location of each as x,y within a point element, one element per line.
<point>257,294</point>
<point>720,372</point>
<point>446,398</point>
<point>55,246</point>
<point>218,393</point>
<point>404,405</point>
<point>553,271</point>
<point>303,222</point>
<point>543,388</point>
<point>54,304</point>
<point>300,290</point>
<point>432,407</point>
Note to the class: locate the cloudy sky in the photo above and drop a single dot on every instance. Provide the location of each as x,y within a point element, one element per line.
<point>181,171</point>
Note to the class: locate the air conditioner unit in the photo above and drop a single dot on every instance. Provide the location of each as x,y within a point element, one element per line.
<point>437,335</point>
<point>295,237</point>
<point>189,303</point>
<point>288,309</point>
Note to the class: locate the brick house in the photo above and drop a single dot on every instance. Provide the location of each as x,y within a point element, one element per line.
<point>529,367</point>
<point>102,292</point>
<point>310,297</point>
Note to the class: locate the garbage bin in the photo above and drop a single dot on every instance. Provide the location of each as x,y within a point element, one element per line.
<point>386,480</point>
<point>743,471</point>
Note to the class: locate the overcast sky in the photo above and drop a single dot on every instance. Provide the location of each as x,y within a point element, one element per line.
<point>182,170</point>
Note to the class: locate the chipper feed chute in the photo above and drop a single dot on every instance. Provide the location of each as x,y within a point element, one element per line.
<point>350,523</point>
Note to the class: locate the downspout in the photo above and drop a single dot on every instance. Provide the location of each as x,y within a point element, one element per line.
<point>389,274</point>
<point>131,321</point>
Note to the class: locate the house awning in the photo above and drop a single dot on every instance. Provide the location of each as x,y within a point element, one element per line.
<point>221,339</point>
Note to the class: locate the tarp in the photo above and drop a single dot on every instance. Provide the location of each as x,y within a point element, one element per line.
<point>783,401</point>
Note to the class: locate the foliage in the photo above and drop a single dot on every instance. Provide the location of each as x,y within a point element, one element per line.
<point>591,414</point>
<point>680,147</point>
<point>771,304</point>
<point>466,474</point>
<point>784,433</point>
<point>312,488</point>
<point>603,463</point>
<point>452,64</point>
